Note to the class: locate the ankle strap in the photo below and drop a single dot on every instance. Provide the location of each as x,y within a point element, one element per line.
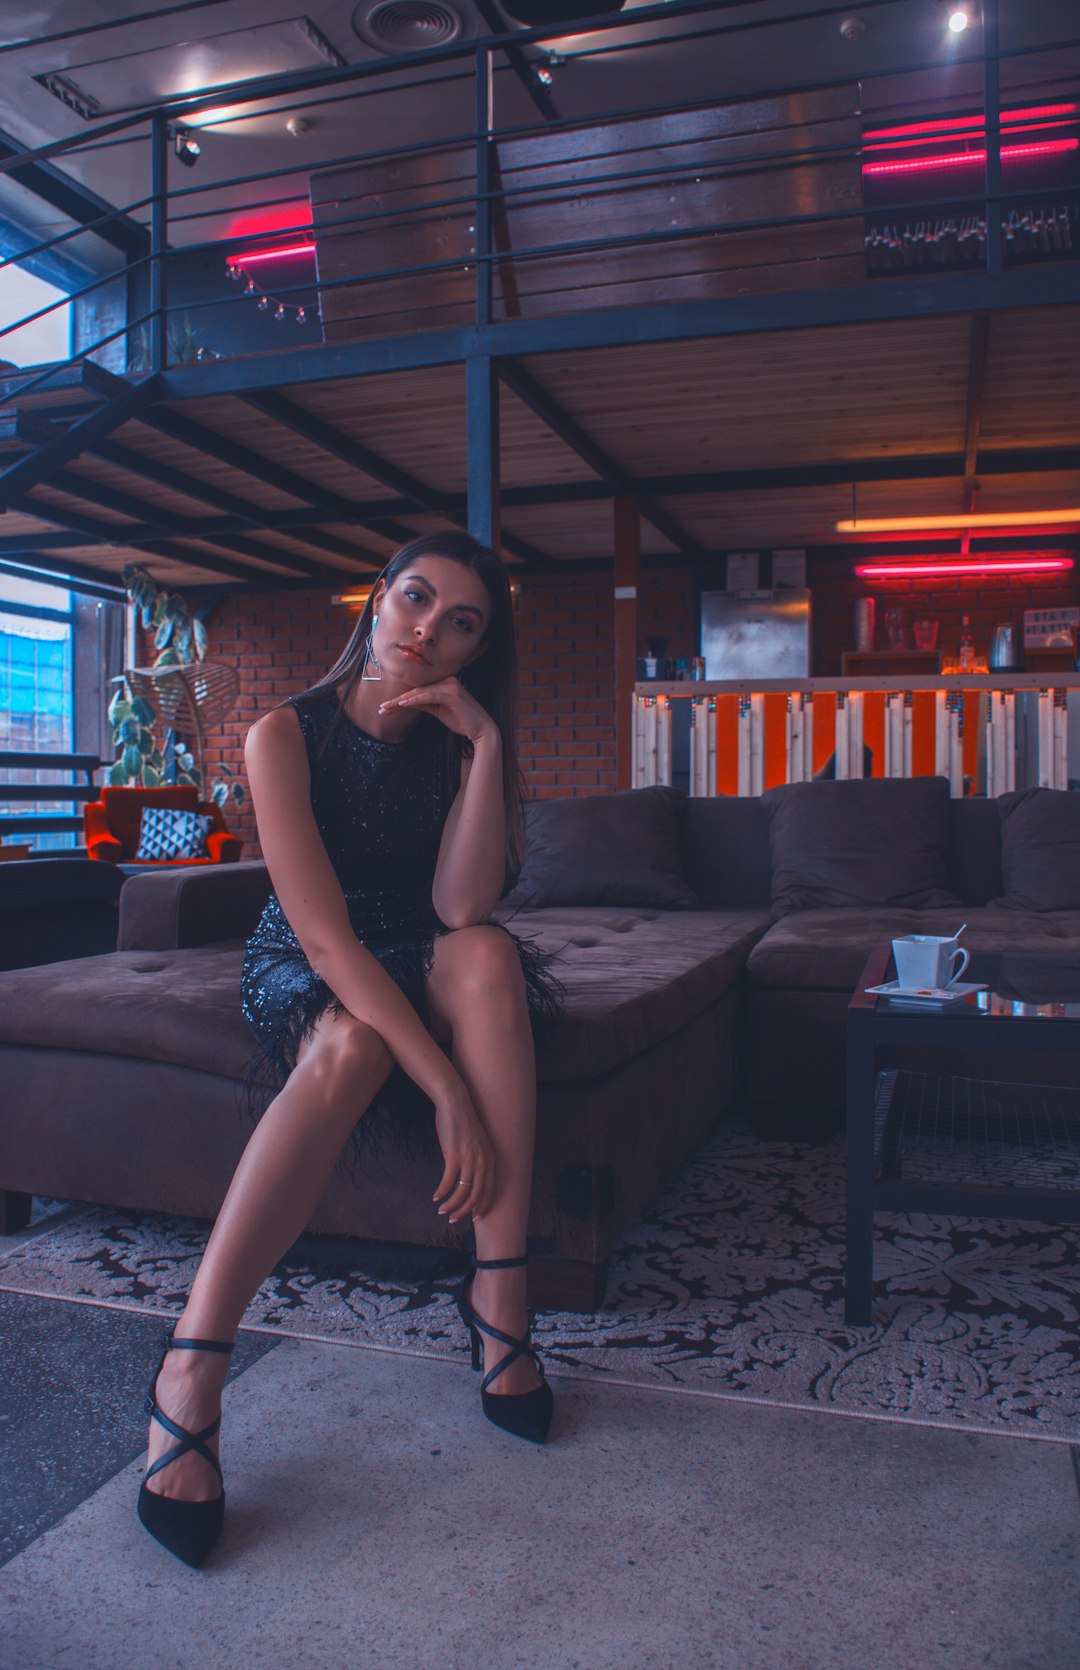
<point>175,1344</point>
<point>500,1263</point>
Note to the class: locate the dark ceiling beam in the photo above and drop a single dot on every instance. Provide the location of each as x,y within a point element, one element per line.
<point>241,516</point>
<point>783,312</point>
<point>1031,461</point>
<point>525,386</point>
<point>76,201</point>
<point>150,522</point>
<point>219,447</point>
<point>313,428</point>
<point>523,67</point>
<point>157,541</point>
<point>66,444</point>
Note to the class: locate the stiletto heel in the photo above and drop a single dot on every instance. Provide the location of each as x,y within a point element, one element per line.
<point>525,1414</point>
<point>187,1529</point>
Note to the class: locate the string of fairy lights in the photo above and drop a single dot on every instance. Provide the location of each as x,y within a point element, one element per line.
<point>297,313</point>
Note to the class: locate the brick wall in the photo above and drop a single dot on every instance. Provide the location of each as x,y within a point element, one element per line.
<point>283,641</point>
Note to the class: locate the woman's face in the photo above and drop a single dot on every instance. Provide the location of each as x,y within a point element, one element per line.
<point>433,619</point>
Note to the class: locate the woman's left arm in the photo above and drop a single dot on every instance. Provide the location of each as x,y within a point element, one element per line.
<point>471,867</point>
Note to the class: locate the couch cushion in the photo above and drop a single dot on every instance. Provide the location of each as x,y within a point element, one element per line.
<point>632,978</point>
<point>605,849</point>
<point>826,950</point>
<point>876,841</point>
<point>1040,850</point>
<point>178,1006</point>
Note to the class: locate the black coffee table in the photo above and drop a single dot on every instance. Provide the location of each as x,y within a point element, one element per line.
<point>931,1127</point>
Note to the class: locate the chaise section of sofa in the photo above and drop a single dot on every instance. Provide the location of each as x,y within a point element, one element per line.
<point>122,1071</point>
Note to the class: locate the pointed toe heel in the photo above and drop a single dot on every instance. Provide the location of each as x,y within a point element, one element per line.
<point>187,1529</point>
<point>524,1414</point>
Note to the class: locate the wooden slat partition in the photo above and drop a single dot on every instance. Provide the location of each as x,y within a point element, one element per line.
<point>695,169</point>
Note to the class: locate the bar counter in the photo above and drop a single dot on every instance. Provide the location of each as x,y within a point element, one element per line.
<point>988,733</point>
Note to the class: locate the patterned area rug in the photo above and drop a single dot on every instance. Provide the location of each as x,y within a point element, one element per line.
<point>731,1286</point>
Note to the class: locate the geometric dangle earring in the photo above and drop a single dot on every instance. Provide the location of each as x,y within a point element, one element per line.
<point>370,658</point>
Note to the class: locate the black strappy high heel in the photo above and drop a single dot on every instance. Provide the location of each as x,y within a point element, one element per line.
<point>525,1414</point>
<point>187,1529</point>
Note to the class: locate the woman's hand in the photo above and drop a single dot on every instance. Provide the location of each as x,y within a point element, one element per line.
<point>450,703</point>
<point>468,1180</point>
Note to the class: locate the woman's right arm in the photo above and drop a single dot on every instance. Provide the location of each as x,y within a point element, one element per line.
<point>314,904</point>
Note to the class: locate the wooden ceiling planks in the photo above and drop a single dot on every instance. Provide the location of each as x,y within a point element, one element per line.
<point>815,396</point>
<point>752,402</point>
<point>1032,393</point>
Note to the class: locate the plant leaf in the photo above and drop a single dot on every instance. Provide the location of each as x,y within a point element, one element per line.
<point>118,775</point>
<point>132,761</point>
<point>150,777</point>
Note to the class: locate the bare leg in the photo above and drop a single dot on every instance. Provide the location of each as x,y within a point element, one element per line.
<point>476,987</point>
<point>276,1187</point>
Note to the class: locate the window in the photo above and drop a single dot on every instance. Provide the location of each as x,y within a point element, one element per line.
<point>46,340</point>
<point>35,691</point>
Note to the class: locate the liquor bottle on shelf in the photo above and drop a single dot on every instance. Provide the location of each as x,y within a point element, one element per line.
<point>966,657</point>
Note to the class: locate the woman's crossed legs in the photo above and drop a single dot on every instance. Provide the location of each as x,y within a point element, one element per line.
<point>477,992</point>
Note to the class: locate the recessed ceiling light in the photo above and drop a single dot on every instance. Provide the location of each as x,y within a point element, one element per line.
<point>958,22</point>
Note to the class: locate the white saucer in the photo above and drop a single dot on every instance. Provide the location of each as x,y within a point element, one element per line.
<point>933,997</point>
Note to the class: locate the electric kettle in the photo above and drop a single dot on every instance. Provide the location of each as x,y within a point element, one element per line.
<point>1005,654</point>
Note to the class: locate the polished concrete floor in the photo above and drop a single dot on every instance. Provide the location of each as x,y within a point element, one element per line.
<point>375,1519</point>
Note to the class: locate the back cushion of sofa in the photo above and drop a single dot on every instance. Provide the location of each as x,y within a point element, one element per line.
<point>726,852</point>
<point>975,850</point>
<point>862,841</point>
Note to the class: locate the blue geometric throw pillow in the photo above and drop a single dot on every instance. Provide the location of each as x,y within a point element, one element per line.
<point>168,833</point>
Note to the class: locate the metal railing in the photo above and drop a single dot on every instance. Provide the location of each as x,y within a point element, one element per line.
<point>486,202</point>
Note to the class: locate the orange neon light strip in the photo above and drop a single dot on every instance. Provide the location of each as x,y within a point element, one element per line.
<point>939,524</point>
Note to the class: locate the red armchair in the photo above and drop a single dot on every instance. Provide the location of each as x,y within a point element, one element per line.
<point>112,825</point>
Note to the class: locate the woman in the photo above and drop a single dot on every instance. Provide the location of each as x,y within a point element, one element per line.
<point>387,798</point>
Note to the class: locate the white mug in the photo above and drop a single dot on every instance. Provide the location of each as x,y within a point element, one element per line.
<point>928,960</point>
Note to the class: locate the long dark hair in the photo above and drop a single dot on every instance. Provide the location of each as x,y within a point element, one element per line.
<point>491,679</point>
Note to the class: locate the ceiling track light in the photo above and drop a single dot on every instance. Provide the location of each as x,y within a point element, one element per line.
<point>186,147</point>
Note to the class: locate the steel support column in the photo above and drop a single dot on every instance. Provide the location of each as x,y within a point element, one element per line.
<point>159,239</point>
<point>482,406</point>
<point>627,578</point>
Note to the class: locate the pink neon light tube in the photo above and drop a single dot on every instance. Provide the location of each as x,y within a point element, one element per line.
<point>962,158</point>
<point>953,124</point>
<point>973,567</point>
<point>272,255</point>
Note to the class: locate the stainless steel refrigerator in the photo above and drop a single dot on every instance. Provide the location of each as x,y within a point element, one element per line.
<point>756,634</point>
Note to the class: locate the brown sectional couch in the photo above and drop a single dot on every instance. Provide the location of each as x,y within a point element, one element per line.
<point>120,1071</point>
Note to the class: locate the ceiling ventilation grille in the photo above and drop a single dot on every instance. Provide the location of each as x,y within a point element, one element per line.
<point>406,25</point>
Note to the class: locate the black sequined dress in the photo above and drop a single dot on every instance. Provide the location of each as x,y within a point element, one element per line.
<point>380,808</point>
